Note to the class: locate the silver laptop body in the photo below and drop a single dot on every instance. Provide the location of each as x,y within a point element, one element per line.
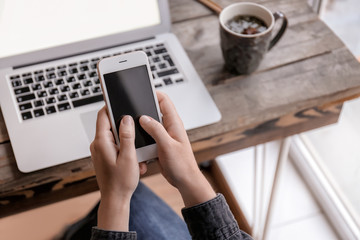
<point>42,137</point>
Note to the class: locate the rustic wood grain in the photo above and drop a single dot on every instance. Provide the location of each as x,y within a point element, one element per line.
<point>3,132</point>
<point>299,86</point>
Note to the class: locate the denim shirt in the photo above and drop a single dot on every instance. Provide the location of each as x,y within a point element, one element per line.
<point>209,220</point>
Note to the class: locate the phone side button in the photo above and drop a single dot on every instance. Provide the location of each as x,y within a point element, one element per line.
<point>85,101</point>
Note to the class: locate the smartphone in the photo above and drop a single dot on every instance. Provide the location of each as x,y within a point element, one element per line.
<point>126,82</point>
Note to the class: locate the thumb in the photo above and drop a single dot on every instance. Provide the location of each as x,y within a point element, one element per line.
<point>127,137</point>
<point>154,128</point>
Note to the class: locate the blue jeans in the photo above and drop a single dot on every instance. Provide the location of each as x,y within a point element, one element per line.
<point>150,217</point>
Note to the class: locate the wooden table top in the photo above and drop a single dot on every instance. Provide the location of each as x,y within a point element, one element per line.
<point>300,85</point>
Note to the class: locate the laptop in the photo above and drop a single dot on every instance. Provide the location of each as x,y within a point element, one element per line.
<point>49,88</point>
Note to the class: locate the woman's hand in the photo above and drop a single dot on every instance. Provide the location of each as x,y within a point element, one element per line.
<point>176,159</point>
<point>117,171</point>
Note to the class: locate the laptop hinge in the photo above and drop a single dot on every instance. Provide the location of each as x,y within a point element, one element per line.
<point>77,54</point>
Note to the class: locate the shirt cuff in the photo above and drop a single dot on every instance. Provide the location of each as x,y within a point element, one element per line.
<point>100,234</point>
<point>211,220</point>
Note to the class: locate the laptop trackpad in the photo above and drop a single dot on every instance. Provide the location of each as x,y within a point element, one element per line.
<point>89,123</point>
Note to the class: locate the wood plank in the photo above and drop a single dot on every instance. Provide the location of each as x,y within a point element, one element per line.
<point>3,131</point>
<point>183,10</point>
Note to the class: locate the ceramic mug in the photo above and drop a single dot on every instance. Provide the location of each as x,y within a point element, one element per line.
<point>243,52</point>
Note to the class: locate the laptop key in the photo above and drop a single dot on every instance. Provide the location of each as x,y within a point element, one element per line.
<point>84,68</point>
<point>39,112</point>
<point>76,86</point>
<point>61,67</point>
<point>50,110</point>
<point>26,115</point>
<point>162,65</point>
<point>51,75</point>
<point>26,74</point>
<point>169,60</point>
<point>48,84</point>
<point>160,51</point>
<point>42,94</point>
<point>85,101</point>
<point>28,80</point>
<point>64,106</point>
<point>59,82</point>
<point>96,89</point>
<point>14,77</point>
<point>93,66</point>
<point>50,69</point>
<point>40,78</point>
<point>167,72</point>
<point>87,83</point>
<point>158,85</point>
<point>71,79</point>
<point>81,76</point>
<point>85,92</point>
<point>16,83</point>
<point>96,80</point>
<point>38,103</point>
<point>179,80</point>
<point>156,59</point>
<point>22,90</point>
<point>65,88</point>
<point>168,81</point>
<point>24,98</point>
<point>25,106</point>
<point>92,74</point>
<point>36,87</point>
<point>62,73</point>
<point>53,91</point>
<point>73,70</point>
<point>62,98</point>
<point>73,95</point>
<point>50,100</point>
<point>38,71</point>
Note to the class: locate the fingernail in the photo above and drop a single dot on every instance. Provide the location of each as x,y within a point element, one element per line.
<point>127,120</point>
<point>145,119</point>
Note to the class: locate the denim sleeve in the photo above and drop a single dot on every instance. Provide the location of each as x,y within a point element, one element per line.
<point>99,234</point>
<point>213,220</point>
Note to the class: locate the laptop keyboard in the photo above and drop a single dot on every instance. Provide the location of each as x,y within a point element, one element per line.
<point>68,86</point>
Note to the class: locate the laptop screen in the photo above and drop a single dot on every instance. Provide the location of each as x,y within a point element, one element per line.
<point>30,25</point>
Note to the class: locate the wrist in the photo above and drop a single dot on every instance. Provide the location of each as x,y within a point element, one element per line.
<point>113,214</point>
<point>196,190</point>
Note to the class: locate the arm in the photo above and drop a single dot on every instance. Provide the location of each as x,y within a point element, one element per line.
<point>206,214</point>
<point>117,173</point>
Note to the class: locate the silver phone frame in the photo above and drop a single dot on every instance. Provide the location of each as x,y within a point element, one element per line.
<point>119,63</point>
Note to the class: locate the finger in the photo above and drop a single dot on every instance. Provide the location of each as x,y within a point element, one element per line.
<point>155,129</point>
<point>171,120</point>
<point>102,122</point>
<point>127,137</point>
<point>143,168</point>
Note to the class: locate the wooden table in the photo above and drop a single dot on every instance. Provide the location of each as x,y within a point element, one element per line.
<point>300,85</point>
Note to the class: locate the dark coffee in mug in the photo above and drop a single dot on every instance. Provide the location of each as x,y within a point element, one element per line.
<point>246,33</point>
<point>245,24</point>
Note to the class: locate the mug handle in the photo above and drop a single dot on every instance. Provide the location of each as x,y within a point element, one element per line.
<point>279,15</point>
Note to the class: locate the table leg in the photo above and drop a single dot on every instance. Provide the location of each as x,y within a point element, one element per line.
<point>282,159</point>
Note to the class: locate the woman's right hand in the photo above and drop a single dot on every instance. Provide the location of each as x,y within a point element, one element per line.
<point>176,159</point>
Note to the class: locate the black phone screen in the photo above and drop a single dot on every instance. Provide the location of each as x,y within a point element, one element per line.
<point>130,93</point>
